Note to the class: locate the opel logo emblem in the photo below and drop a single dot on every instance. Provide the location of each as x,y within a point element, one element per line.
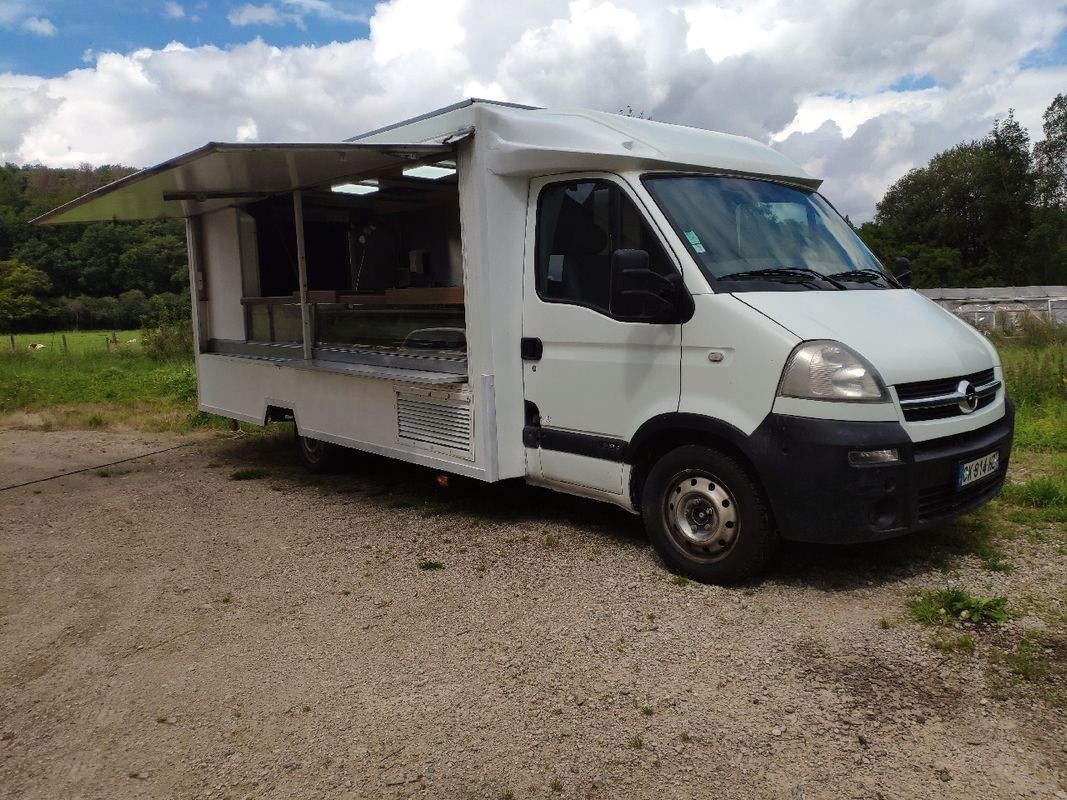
<point>968,397</point>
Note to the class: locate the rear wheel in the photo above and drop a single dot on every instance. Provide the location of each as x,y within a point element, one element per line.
<point>316,455</point>
<point>706,516</point>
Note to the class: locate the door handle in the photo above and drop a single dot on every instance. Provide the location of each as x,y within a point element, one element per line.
<point>531,348</point>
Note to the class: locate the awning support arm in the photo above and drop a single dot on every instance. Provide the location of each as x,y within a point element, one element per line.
<point>302,274</point>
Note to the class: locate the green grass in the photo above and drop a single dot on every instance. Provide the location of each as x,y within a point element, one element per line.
<point>93,385</point>
<point>1041,491</point>
<point>952,604</point>
<point>1027,660</point>
<point>961,644</point>
<point>1033,663</point>
<point>79,343</point>
<point>1036,377</point>
<point>1040,499</point>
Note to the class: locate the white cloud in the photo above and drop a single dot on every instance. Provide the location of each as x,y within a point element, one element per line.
<point>722,32</point>
<point>249,14</point>
<point>811,78</point>
<point>325,10</point>
<point>11,11</point>
<point>297,11</point>
<point>172,10</point>
<point>248,132</point>
<point>39,25</point>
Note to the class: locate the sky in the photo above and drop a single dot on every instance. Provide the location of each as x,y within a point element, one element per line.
<point>856,91</point>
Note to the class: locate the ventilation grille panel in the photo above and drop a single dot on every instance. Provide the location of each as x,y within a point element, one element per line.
<point>439,421</point>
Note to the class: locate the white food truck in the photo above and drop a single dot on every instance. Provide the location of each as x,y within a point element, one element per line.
<point>660,317</point>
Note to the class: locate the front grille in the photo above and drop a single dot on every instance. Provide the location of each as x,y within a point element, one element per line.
<point>944,412</point>
<point>914,391</point>
<point>945,498</point>
<point>924,390</point>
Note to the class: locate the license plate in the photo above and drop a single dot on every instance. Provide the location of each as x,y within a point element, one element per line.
<point>979,468</point>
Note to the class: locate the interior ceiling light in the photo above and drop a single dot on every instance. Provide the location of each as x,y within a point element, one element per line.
<point>429,171</point>
<point>366,187</point>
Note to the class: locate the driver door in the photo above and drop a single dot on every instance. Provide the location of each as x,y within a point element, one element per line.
<point>589,380</point>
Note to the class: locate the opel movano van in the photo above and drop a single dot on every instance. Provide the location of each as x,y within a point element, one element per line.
<point>664,318</point>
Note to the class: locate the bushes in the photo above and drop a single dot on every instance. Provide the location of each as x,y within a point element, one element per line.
<point>168,333</point>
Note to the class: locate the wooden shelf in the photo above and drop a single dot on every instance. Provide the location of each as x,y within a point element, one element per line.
<point>283,300</point>
<point>424,296</point>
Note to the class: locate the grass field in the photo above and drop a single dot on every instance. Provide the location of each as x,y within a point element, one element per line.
<point>100,379</point>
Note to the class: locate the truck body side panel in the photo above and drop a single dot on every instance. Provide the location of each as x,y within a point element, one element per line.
<point>343,409</point>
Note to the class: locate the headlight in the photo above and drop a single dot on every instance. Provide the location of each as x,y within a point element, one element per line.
<point>827,370</point>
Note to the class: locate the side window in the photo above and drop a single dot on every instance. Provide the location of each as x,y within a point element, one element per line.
<point>579,225</point>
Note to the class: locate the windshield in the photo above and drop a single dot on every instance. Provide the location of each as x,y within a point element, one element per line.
<point>754,235</point>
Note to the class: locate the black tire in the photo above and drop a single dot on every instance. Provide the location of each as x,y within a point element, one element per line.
<point>706,516</point>
<point>316,455</point>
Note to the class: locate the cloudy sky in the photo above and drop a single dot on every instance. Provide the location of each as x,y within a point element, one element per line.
<point>857,91</point>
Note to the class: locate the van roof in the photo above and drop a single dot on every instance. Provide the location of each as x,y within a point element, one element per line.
<point>527,140</point>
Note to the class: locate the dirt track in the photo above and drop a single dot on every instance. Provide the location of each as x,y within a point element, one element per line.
<point>166,631</point>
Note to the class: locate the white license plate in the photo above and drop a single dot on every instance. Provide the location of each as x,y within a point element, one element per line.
<point>979,468</point>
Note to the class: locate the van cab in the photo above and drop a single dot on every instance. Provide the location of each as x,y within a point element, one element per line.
<point>665,318</point>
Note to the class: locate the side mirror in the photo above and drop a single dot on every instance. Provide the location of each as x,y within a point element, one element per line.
<point>638,294</point>
<point>902,272</point>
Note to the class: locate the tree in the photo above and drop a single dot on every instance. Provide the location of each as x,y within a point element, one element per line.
<point>966,217</point>
<point>101,311</point>
<point>1050,156</point>
<point>132,306</point>
<point>21,291</point>
<point>1048,236</point>
<point>152,264</point>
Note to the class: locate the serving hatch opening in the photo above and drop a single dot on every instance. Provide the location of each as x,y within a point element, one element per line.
<point>335,255</point>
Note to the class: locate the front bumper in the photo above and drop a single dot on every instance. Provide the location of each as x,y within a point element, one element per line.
<point>818,496</point>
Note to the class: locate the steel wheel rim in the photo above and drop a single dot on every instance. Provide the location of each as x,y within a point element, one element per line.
<point>701,516</point>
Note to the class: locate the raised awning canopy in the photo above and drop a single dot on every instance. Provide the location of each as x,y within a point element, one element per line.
<point>217,175</point>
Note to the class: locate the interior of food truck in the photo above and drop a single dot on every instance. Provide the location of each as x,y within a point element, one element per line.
<point>383,261</point>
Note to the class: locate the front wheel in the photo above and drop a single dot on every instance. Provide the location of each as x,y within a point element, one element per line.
<point>316,455</point>
<point>706,516</point>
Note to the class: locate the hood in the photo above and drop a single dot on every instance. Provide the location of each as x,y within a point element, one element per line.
<point>905,336</point>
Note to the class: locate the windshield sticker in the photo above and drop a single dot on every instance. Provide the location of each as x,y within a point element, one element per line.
<point>695,241</point>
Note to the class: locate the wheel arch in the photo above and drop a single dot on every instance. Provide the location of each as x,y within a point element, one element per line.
<point>661,434</point>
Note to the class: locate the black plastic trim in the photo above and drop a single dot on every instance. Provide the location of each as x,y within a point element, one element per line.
<point>681,421</point>
<point>579,444</point>
<point>817,496</point>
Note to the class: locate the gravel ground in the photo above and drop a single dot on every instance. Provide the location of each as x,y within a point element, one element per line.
<point>168,631</point>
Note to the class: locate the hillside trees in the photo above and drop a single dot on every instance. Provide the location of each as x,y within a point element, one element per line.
<point>91,269</point>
